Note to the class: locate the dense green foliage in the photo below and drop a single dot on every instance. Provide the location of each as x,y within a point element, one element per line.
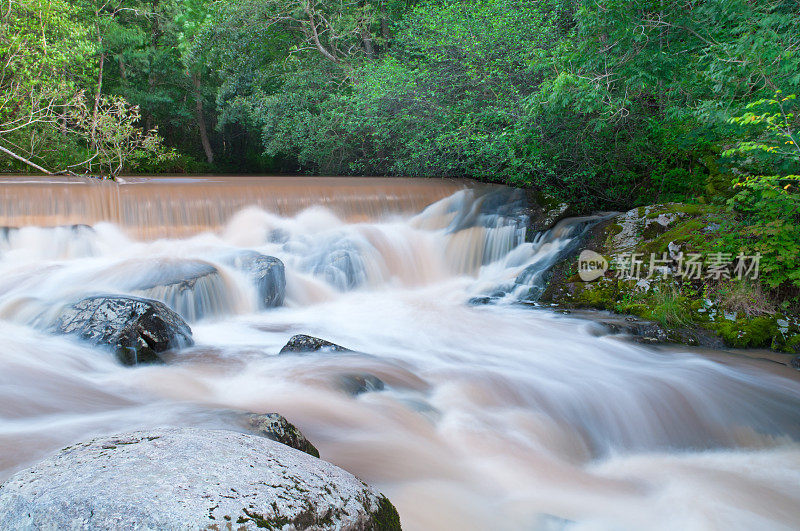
<point>604,103</point>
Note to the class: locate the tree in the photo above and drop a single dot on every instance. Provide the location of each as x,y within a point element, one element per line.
<point>43,47</point>
<point>768,194</point>
<point>116,142</point>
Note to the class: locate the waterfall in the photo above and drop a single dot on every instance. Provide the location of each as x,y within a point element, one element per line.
<point>498,416</point>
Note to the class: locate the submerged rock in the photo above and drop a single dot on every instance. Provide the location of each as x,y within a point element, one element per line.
<point>275,427</point>
<point>268,274</point>
<point>136,329</point>
<point>189,478</point>
<point>304,343</point>
<point>195,289</point>
<point>355,383</point>
<point>184,274</point>
<point>341,266</point>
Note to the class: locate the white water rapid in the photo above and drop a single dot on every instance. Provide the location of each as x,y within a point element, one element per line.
<point>501,416</point>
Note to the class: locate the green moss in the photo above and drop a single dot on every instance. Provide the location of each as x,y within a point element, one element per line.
<point>653,230</point>
<point>602,295</point>
<point>757,332</point>
<point>264,522</point>
<point>792,345</point>
<point>691,209</point>
<point>612,230</point>
<point>386,517</point>
<point>683,308</point>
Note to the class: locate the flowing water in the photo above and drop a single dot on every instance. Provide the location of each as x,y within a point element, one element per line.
<point>498,416</point>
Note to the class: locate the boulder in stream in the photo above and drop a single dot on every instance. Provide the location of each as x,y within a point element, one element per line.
<point>275,427</point>
<point>136,329</point>
<point>195,289</point>
<point>268,274</point>
<point>351,383</point>
<point>189,478</point>
<point>303,343</point>
<point>356,384</point>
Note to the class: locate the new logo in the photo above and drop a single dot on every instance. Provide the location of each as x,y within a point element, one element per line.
<point>591,265</point>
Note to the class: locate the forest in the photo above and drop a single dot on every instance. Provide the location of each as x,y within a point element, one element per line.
<point>606,104</point>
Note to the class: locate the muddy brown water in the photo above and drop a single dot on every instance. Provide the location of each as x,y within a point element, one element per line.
<point>494,417</point>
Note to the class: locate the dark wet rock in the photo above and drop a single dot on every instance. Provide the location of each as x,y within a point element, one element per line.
<point>544,211</point>
<point>504,201</point>
<point>641,331</point>
<point>268,274</point>
<point>536,278</point>
<point>303,343</point>
<point>795,363</point>
<point>481,301</point>
<point>353,383</point>
<point>493,206</point>
<point>356,384</point>
<point>645,331</point>
<point>275,426</point>
<point>136,329</point>
<point>189,478</point>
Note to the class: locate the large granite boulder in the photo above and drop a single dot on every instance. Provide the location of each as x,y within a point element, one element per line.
<point>136,329</point>
<point>268,274</point>
<point>189,478</point>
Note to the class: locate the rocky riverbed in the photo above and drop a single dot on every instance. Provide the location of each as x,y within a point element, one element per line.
<point>143,380</point>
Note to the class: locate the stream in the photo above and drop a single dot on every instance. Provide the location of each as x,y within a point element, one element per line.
<point>499,416</point>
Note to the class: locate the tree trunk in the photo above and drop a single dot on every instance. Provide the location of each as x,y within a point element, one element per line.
<point>384,23</point>
<point>201,121</point>
<point>123,73</point>
<point>26,161</point>
<point>96,107</point>
<point>368,48</point>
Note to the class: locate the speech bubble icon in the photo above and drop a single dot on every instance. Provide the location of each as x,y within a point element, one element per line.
<point>591,265</point>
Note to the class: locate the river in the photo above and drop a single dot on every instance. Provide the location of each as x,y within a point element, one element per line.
<point>494,417</point>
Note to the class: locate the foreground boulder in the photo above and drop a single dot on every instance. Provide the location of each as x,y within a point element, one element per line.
<point>268,274</point>
<point>136,329</point>
<point>188,478</point>
<point>275,427</point>
<point>304,343</point>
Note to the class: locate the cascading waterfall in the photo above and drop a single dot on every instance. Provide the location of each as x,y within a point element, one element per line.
<point>496,416</point>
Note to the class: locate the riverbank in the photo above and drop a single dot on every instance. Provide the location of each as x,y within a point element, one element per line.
<point>663,272</point>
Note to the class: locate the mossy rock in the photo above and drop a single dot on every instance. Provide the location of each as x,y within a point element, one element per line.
<point>792,345</point>
<point>756,332</point>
